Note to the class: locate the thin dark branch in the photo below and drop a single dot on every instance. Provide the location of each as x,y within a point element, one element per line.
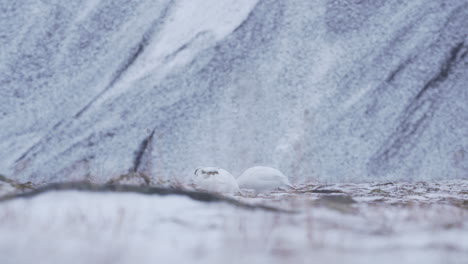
<point>145,190</point>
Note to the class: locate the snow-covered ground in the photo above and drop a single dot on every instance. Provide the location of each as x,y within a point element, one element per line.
<point>391,222</point>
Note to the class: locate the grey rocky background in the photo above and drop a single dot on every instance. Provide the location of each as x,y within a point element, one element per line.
<point>324,90</point>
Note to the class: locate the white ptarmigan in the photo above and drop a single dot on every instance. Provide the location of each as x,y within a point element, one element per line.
<point>213,179</point>
<point>260,178</point>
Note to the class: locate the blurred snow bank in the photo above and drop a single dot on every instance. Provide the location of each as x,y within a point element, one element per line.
<point>339,224</point>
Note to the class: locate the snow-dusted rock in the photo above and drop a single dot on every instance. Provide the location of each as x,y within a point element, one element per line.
<point>262,178</point>
<point>333,90</point>
<point>214,179</point>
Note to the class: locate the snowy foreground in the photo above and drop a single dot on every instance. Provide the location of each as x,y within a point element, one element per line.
<point>340,223</point>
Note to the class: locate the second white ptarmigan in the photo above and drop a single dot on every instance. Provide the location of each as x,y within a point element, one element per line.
<point>260,178</point>
<point>213,179</point>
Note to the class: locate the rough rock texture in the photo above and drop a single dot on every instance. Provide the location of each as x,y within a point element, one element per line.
<point>323,90</point>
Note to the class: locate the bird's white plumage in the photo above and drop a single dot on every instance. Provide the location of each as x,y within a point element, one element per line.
<point>262,178</point>
<point>213,179</point>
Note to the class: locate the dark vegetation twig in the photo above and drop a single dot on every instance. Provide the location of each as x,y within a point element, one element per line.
<point>306,189</point>
<point>129,176</point>
<point>326,191</point>
<point>145,190</point>
<point>15,184</point>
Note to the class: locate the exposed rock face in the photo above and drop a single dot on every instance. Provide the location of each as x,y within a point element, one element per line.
<point>324,90</point>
